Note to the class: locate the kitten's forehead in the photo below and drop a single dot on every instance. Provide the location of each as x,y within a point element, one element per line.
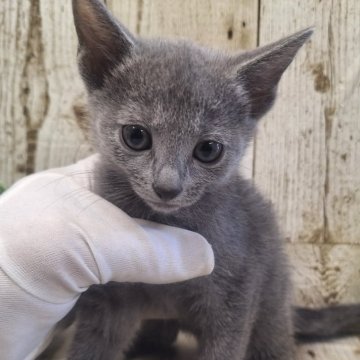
<point>170,82</point>
<point>162,62</point>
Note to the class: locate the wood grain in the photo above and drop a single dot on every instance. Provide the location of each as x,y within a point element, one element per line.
<point>62,139</point>
<point>40,88</point>
<point>307,147</point>
<point>325,274</point>
<point>306,151</point>
<point>348,349</point>
<point>228,24</point>
<point>290,155</point>
<point>342,123</point>
<point>14,38</point>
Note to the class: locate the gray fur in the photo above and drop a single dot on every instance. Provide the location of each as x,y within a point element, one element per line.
<point>183,94</point>
<point>314,325</point>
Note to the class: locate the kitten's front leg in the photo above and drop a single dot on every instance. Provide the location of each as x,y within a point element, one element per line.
<point>235,321</point>
<point>225,345</point>
<point>223,332</point>
<point>107,321</point>
<point>272,336</point>
<point>234,337</point>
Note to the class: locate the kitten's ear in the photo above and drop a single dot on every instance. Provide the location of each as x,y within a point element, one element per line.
<point>103,41</point>
<point>260,70</point>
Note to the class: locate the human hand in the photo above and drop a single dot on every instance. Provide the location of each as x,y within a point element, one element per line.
<point>57,238</point>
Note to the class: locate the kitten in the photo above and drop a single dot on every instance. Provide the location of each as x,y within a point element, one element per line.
<point>171,121</point>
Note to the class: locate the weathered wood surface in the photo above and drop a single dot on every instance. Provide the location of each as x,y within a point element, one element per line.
<point>307,147</point>
<point>40,88</point>
<point>307,152</point>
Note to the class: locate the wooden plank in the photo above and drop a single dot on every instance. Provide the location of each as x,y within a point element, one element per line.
<point>40,89</point>
<point>14,38</point>
<point>342,115</point>
<point>228,25</point>
<point>325,274</point>
<point>290,155</point>
<point>348,349</point>
<point>61,136</point>
<point>306,154</point>
<point>308,146</point>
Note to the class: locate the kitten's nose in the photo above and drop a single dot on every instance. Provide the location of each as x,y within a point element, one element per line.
<point>167,183</point>
<point>166,192</point>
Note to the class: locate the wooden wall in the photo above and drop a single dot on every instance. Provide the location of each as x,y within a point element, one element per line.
<point>307,152</point>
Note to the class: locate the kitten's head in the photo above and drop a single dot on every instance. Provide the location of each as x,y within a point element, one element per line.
<point>174,117</point>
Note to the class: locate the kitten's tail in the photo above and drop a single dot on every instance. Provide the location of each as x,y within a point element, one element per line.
<point>313,325</point>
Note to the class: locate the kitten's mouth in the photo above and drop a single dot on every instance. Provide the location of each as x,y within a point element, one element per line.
<point>162,206</point>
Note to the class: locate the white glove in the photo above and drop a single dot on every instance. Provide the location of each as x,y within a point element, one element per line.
<point>57,238</point>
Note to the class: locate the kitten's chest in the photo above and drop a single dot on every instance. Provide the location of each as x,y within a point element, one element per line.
<point>220,225</point>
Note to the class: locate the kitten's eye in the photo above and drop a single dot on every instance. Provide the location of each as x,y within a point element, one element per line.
<point>208,151</point>
<point>136,137</point>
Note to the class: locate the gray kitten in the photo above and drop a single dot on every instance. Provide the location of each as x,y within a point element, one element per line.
<point>171,121</point>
